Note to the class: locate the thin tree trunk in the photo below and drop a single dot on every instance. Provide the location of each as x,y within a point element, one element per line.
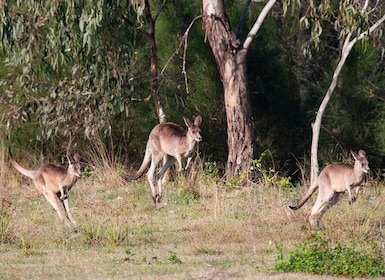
<point>316,126</point>
<point>154,65</point>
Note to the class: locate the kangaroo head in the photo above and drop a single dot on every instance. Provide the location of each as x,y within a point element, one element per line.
<point>74,165</point>
<point>361,163</point>
<point>194,132</point>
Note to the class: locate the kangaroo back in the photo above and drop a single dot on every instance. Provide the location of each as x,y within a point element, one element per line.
<point>313,187</point>
<point>29,173</point>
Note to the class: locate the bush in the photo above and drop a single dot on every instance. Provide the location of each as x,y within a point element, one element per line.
<point>316,256</point>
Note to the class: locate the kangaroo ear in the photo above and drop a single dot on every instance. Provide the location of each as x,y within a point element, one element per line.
<point>77,157</point>
<point>70,159</point>
<point>187,122</point>
<point>362,153</point>
<point>198,121</point>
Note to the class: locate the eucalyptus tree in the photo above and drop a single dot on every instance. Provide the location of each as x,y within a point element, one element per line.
<point>70,64</point>
<point>145,24</point>
<point>230,54</point>
<point>353,21</point>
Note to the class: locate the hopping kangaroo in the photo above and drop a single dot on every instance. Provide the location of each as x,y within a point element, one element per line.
<point>333,181</point>
<point>55,182</point>
<point>168,141</point>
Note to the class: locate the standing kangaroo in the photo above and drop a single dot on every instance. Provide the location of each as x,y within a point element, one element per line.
<point>333,181</point>
<point>168,141</point>
<point>55,182</point>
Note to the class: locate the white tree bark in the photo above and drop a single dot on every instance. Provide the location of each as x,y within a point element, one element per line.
<point>347,47</point>
<point>258,23</point>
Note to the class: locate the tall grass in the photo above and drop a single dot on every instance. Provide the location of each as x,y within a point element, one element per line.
<point>204,227</point>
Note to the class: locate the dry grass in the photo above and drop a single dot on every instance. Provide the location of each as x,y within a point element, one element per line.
<point>203,230</point>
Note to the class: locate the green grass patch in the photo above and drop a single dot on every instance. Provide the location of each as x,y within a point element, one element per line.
<point>315,255</point>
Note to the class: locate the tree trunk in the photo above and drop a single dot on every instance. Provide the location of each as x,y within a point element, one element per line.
<point>154,64</point>
<point>231,61</point>
<point>316,126</point>
<point>240,124</point>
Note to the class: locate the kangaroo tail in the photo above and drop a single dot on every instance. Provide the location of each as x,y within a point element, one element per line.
<point>311,190</point>
<point>29,173</point>
<point>143,167</point>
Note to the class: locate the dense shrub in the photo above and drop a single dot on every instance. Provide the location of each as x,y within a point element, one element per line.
<point>316,256</point>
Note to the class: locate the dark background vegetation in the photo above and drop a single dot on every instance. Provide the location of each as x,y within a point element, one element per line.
<point>96,100</point>
<point>286,89</point>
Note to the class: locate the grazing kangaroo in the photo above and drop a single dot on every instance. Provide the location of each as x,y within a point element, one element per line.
<point>54,181</point>
<point>168,141</point>
<point>333,181</point>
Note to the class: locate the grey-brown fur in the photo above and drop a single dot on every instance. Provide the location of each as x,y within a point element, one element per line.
<point>333,181</point>
<point>54,181</point>
<point>168,141</point>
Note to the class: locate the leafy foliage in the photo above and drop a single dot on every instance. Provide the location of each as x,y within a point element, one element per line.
<point>69,64</point>
<point>74,69</point>
<point>173,258</point>
<point>346,18</point>
<point>316,256</point>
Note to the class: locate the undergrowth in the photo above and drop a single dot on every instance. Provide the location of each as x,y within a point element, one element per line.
<point>203,225</point>
<point>315,255</point>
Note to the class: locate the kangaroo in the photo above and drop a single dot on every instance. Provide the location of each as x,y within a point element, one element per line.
<point>55,182</point>
<point>333,181</point>
<point>168,141</point>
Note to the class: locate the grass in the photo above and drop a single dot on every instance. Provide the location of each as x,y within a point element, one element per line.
<point>203,228</point>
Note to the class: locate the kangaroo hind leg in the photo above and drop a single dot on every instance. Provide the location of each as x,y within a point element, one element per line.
<point>156,158</point>
<point>66,207</point>
<point>51,198</point>
<point>321,205</point>
<point>169,161</point>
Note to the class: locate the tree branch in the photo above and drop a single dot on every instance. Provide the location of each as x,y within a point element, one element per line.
<point>160,10</point>
<point>247,5</point>
<point>183,41</point>
<point>133,25</point>
<point>257,25</point>
<point>347,47</point>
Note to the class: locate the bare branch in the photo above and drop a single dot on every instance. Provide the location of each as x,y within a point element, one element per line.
<point>160,9</point>
<point>182,42</point>
<point>257,25</point>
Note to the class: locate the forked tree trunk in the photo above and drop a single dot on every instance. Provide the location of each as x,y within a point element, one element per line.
<point>316,126</point>
<point>231,62</point>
